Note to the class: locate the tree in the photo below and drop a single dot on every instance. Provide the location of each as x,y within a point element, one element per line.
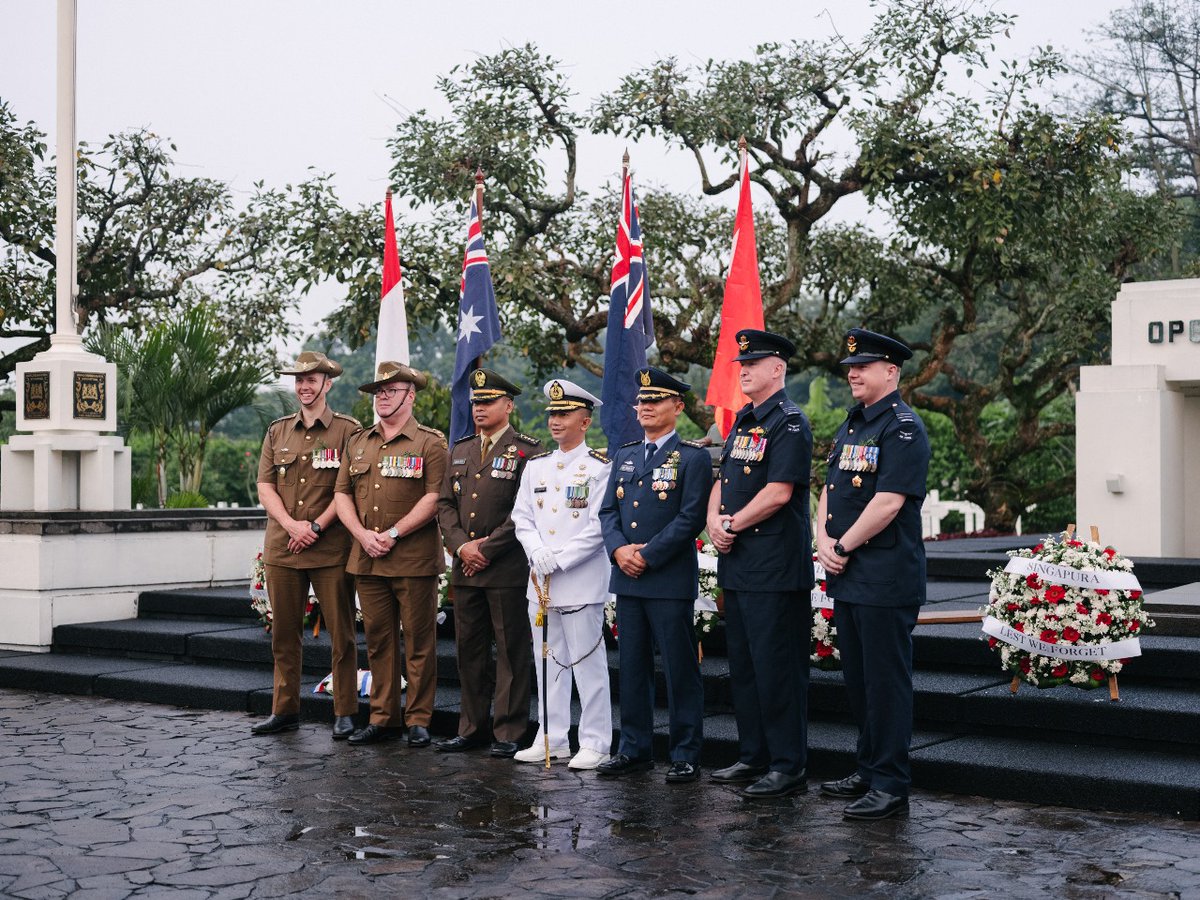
<point>1006,225</point>
<point>178,381</point>
<point>150,242</point>
<point>1144,69</point>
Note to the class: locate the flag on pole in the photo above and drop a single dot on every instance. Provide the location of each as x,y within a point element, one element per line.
<point>741,308</point>
<point>630,326</point>
<point>478,324</point>
<point>391,336</point>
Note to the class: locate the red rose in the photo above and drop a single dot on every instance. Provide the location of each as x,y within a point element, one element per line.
<point>992,642</point>
<point>1097,674</point>
<point>1034,599</point>
<point>1070,635</point>
<point>1082,609</point>
<point>1133,626</point>
<point>1038,548</point>
<point>1103,619</point>
<point>1074,543</point>
<point>1103,592</point>
<point>1019,626</point>
<point>1133,595</point>
<point>1033,581</point>
<point>1110,552</point>
<point>824,650</point>
<point>699,543</point>
<point>1055,592</point>
<point>1026,665</point>
<point>1012,607</point>
<point>1049,636</point>
<point>1059,671</point>
<point>824,586</point>
<point>826,613</point>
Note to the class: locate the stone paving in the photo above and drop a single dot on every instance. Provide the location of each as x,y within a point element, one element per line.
<point>104,799</point>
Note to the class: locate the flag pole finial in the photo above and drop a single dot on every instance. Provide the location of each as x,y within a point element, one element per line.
<point>389,193</point>
<point>625,158</point>
<point>479,191</point>
<point>742,144</point>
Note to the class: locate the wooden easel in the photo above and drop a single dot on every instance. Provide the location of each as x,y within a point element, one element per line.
<point>1113,693</point>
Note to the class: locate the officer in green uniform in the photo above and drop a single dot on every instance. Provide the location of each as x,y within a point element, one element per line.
<point>869,541</point>
<point>306,546</point>
<point>490,573</point>
<point>387,497</point>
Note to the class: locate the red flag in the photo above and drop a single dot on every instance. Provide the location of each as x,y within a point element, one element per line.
<point>391,336</point>
<point>741,308</point>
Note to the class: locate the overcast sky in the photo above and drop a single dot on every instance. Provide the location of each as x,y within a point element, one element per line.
<point>264,89</point>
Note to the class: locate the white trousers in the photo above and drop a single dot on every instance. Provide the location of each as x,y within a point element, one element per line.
<point>572,640</point>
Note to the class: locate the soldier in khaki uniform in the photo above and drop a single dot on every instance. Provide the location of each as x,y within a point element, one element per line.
<point>387,497</point>
<point>306,544</point>
<point>490,571</point>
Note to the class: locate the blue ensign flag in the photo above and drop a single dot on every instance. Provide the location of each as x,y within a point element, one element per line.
<point>630,328</point>
<point>478,325</point>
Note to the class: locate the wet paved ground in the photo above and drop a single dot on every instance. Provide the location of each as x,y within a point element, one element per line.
<point>105,799</point>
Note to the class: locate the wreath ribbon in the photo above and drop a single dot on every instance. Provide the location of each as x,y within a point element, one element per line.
<point>1115,650</point>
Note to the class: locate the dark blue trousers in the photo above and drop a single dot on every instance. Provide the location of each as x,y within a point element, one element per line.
<point>768,637</point>
<point>642,624</point>
<point>876,648</point>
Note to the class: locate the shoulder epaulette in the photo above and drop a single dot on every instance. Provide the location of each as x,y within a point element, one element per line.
<point>469,437</point>
<point>540,455</point>
<point>429,430</point>
<point>630,444</point>
<point>596,454</point>
<point>790,407</point>
<point>696,444</point>
<point>282,418</point>
<point>526,438</point>
<point>338,415</point>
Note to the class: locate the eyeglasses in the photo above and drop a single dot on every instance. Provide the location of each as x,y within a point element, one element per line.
<point>388,393</point>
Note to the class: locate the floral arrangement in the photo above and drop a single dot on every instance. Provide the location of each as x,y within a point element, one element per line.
<point>260,602</point>
<point>708,592</point>
<point>823,653</point>
<point>1065,612</point>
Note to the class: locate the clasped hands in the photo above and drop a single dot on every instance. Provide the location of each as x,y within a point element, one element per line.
<point>471,555</point>
<point>300,535</point>
<point>629,559</point>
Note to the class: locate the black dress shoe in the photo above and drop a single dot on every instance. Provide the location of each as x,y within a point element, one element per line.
<point>851,786</point>
<point>876,805</point>
<point>776,784</point>
<point>681,772</point>
<point>737,773</point>
<point>418,736</point>
<point>277,724</point>
<point>505,749</point>
<point>343,727</point>
<point>623,765</point>
<point>457,744</point>
<point>373,734</point>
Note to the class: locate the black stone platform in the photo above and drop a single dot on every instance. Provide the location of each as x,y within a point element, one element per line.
<point>204,649</point>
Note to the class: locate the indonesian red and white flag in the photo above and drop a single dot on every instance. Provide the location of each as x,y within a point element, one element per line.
<point>391,339</point>
<point>741,308</point>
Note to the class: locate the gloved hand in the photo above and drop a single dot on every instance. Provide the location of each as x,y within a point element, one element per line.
<point>543,561</point>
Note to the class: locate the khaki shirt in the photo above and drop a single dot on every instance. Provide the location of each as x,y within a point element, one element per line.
<point>302,464</point>
<point>477,501</point>
<point>383,495</point>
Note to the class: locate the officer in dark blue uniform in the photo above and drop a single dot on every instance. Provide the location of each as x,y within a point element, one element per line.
<point>654,507</point>
<point>758,518</point>
<point>869,541</point>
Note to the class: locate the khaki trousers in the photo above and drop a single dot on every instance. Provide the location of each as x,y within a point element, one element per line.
<point>481,614</point>
<point>387,605</point>
<point>288,589</point>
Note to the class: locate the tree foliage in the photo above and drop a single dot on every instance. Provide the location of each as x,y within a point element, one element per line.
<point>150,242</point>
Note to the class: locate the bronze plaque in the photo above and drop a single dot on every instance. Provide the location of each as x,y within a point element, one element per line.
<point>89,395</point>
<point>37,395</point>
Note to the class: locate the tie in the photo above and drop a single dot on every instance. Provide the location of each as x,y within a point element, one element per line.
<point>485,444</point>
<point>650,450</point>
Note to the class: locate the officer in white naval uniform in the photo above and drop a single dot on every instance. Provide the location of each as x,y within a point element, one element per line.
<point>557,519</point>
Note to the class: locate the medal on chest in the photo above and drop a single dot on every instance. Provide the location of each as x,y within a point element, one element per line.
<point>326,458</point>
<point>666,475</point>
<point>401,466</point>
<point>577,493</point>
<point>859,458</point>
<point>504,467</point>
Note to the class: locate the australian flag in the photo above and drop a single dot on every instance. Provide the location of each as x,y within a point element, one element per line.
<point>478,325</point>
<point>630,328</point>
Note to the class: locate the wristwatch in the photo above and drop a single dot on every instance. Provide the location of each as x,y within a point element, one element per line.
<point>393,533</point>
<point>840,550</point>
<point>315,526</point>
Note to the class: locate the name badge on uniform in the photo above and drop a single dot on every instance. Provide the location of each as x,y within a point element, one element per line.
<point>326,458</point>
<point>859,458</point>
<point>401,466</point>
